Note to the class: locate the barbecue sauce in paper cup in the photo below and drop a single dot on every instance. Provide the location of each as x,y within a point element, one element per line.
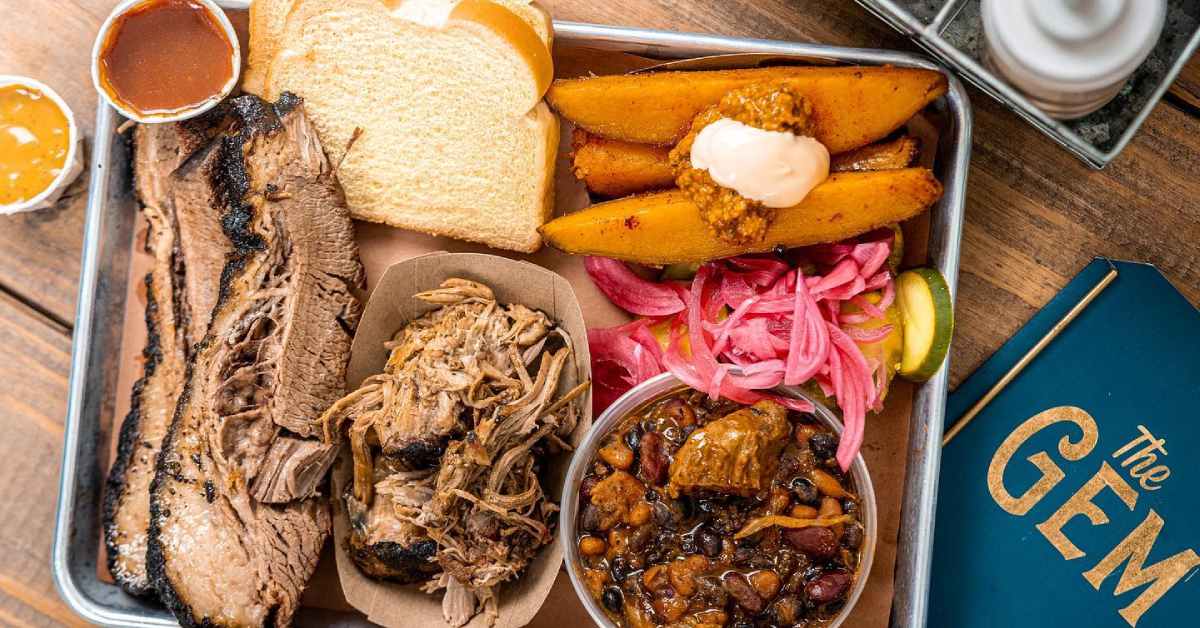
<point>165,60</point>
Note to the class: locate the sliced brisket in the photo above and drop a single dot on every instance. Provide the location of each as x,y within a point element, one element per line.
<point>237,521</point>
<point>159,149</point>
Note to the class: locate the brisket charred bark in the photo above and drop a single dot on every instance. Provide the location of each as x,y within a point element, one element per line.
<point>237,518</point>
<point>159,151</point>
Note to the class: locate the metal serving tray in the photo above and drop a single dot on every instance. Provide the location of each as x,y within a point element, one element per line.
<point>110,226</point>
<point>952,31</point>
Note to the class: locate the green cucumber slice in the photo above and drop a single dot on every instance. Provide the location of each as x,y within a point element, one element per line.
<point>928,314</point>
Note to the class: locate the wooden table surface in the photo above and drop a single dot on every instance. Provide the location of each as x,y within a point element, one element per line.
<point>1035,216</point>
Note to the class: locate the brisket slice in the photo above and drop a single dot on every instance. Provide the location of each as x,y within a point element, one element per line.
<point>237,520</point>
<point>159,149</point>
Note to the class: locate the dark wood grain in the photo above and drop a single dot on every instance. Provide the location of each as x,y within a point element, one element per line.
<point>1035,216</point>
<point>1186,89</point>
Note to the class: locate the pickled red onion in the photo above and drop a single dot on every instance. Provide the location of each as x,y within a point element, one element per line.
<point>782,327</point>
<point>630,292</point>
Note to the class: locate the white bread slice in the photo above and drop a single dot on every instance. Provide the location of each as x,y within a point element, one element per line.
<point>454,137</point>
<point>268,17</point>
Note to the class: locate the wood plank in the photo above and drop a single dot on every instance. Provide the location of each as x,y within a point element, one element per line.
<point>1035,217</point>
<point>1187,86</point>
<point>840,23</point>
<point>39,251</point>
<point>34,358</point>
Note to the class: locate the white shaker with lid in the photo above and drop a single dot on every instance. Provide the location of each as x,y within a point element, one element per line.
<point>1070,57</point>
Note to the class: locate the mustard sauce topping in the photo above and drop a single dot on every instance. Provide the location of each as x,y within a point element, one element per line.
<point>34,141</point>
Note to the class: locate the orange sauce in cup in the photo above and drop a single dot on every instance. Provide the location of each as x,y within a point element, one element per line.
<point>165,56</point>
<point>34,142</point>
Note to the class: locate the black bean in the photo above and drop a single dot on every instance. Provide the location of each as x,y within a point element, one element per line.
<point>812,571</point>
<point>633,437</point>
<point>589,519</point>
<point>619,569</point>
<point>675,436</point>
<point>743,555</point>
<point>815,541</point>
<point>853,536</point>
<point>823,444</point>
<point>828,587</point>
<point>651,496</point>
<point>613,600</point>
<point>740,590</point>
<point>709,541</point>
<point>850,506</point>
<point>805,491</point>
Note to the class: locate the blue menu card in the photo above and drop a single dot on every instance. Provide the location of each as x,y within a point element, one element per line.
<point>1073,499</point>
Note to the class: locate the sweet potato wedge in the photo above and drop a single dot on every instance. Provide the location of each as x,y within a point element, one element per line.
<point>854,106</point>
<point>615,168</point>
<point>666,228</point>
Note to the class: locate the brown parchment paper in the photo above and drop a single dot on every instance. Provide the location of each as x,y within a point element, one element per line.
<point>392,305</point>
<point>885,447</point>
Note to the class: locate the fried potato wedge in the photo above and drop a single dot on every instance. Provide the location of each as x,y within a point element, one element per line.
<point>666,228</point>
<point>615,168</point>
<point>854,106</point>
<point>901,152</point>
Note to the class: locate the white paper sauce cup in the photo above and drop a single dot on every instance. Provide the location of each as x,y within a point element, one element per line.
<point>175,116</point>
<point>72,165</point>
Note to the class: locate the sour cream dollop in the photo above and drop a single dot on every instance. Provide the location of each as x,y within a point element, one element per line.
<point>776,168</point>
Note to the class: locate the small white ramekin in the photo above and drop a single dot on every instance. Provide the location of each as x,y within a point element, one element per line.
<point>176,116</point>
<point>72,166</point>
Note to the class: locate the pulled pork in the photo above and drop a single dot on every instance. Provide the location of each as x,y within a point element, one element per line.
<point>446,445</point>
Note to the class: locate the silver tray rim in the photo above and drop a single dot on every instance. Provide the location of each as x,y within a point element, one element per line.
<point>928,36</point>
<point>86,387</point>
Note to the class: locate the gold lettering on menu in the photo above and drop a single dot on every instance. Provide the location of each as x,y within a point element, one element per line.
<point>1140,458</point>
<point>1081,504</point>
<point>1161,576</point>
<point>1051,473</point>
